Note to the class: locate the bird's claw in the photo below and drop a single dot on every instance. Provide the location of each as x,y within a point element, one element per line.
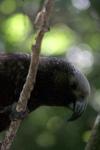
<point>15,115</point>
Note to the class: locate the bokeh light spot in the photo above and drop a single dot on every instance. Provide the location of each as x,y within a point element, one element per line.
<point>8,6</point>
<point>46,139</point>
<point>81,56</point>
<point>57,40</point>
<point>16,28</point>
<point>54,123</point>
<point>81,4</point>
<point>86,136</point>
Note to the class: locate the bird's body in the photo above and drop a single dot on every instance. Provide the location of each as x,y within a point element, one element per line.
<point>58,83</point>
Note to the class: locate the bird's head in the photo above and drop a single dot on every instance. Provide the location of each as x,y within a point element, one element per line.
<point>64,86</point>
<point>81,90</point>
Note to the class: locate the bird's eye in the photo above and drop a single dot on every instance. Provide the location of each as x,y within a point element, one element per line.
<point>82,96</point>
<point>74,85</point>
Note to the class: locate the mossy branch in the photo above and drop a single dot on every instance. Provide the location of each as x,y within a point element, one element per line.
<point>94,141</point>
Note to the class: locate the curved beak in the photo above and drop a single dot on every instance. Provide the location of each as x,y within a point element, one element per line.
<point>78,108</point>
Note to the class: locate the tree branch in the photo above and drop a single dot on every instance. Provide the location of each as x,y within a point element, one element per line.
<point>94,141</point>
<point>41,22</point>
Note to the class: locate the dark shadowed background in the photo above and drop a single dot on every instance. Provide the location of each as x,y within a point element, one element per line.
<point>75,35</point>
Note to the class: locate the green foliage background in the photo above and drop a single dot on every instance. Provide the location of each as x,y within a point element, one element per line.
<point>74,34</point>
